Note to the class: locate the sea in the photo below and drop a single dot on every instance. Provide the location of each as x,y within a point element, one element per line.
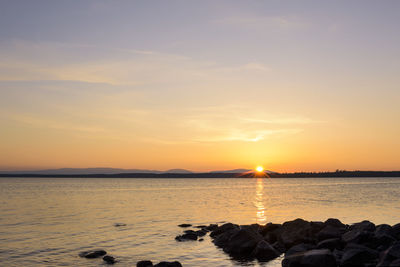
<point>49,221</point>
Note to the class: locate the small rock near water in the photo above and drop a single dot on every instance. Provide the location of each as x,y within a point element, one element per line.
<point>91,254</point>
<point>185,225</point>
<point>144,264</point>
<point>109,259</point>
<point>168,264</point>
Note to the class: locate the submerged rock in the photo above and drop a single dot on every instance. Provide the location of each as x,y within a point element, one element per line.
<point>91,254</point>
<point>186,236</point>
<point>119,224</point>
<point>310,258</point>
<point>144,264</point>
<point>184,225</point>
<point>109,259</point>
<point>168,264</point>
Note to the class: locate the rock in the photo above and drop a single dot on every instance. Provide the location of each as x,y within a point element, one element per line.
<point>119,224</point>
<point>396,230</point>
<point>358,255</point>
<point>363,226</point>
<point>295,232</point>
<point>335,223</point>
<point>331,244</point>
<point>201,239</point>
<point>211,227</point>
<point>168,264</point>
<point>395,263</point>
<point>91,254</point>
<point>189,232</point>
<point>200,226</point>
<point>299,249</point>
<point>184,225</point>
<point>269,227</point>
<point>186,236</point>
<point>223,228</point>
<point>316,227</point>
<point>265,252</point>
<point>357,236</point>
<point>223,239</point>
<point>311,258</point>
<point>384,229</point>
<point>243,242</point>
<point>109,259</point>
<point>329,232</point>
<point>144,264</point>
<point>201,232</point>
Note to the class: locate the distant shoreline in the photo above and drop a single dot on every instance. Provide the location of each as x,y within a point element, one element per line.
<point>336,174</point>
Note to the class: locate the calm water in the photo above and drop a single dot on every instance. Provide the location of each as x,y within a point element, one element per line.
<point>49,221</point>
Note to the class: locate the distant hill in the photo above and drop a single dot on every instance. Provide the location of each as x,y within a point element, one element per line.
<point>239,171</point>
<point>85,171</point>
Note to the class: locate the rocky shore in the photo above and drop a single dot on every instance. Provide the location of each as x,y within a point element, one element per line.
<point>307,244</point>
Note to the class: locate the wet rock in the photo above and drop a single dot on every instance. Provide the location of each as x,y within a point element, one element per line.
<point>201,232</point>
<point>295,232</point>
<point>363,226</point>
<point>144,264</point>
<point>189,232</point>
<point>119,224</point>
<point>268,228</point>
<point>184,225</point>
<point>329,232</point>
<point>331,244</point>
<point>243,242</point>
<point>299,249</point>
<point>201,239</point>
<point>311,258</point>
<point>358,255</point>
<point>265,252</point>
<point>223,228</point>
<point>211,227</point>
<point>223,239</point>
<point>357,236</point>
<point>396,230</point>
<point>91,254</point>
<point>109,259</point>
<point>168,264</point>
<point>335,223</point>
<point>186,236</point>
<point>200,226</point>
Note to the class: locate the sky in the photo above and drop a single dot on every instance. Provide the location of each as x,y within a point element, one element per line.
<point>200,85</point>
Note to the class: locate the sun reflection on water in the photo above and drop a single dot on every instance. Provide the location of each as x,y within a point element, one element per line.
<point>260,212</point>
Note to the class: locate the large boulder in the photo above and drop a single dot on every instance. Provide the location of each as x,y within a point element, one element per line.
<point>223,228</point>
<point>396,231</point>
<point>335,223</point>
<point>357,236</point>
<point>269,227</point>
<point>329,232</point>
<point>295,232</point>
<point>265,252</point>
<point>222,239</point>
<point>243,242</point>
<point>109,259</point>
<point>144,264</point>
<point>311,258</point>
<point>358,255</point>
<point>331,244</point>
<point>363,226</point>
<point>299,248</point>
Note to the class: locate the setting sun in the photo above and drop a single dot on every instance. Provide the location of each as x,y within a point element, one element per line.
<point>259,169</point>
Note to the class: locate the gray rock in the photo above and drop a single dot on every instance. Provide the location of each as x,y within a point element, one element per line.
<point>265,252</point>
<point>329,232</point>
<point>311,258</point>
<point>243,242</point>
<point>186,236</point>
<point>223,228</point>
<point>363,226</point>
<point>168,264</point>
<point>109,259</point>
<point>144,264</point>
<point>91,254</point>
<point>357,255</point>
<point>184,225</point>
<point>331,244</point>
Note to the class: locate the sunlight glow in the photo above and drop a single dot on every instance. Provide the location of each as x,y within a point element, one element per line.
<point>259,169</point>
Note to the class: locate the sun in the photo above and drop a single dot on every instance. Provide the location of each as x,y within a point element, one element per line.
<point>259,169</point>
